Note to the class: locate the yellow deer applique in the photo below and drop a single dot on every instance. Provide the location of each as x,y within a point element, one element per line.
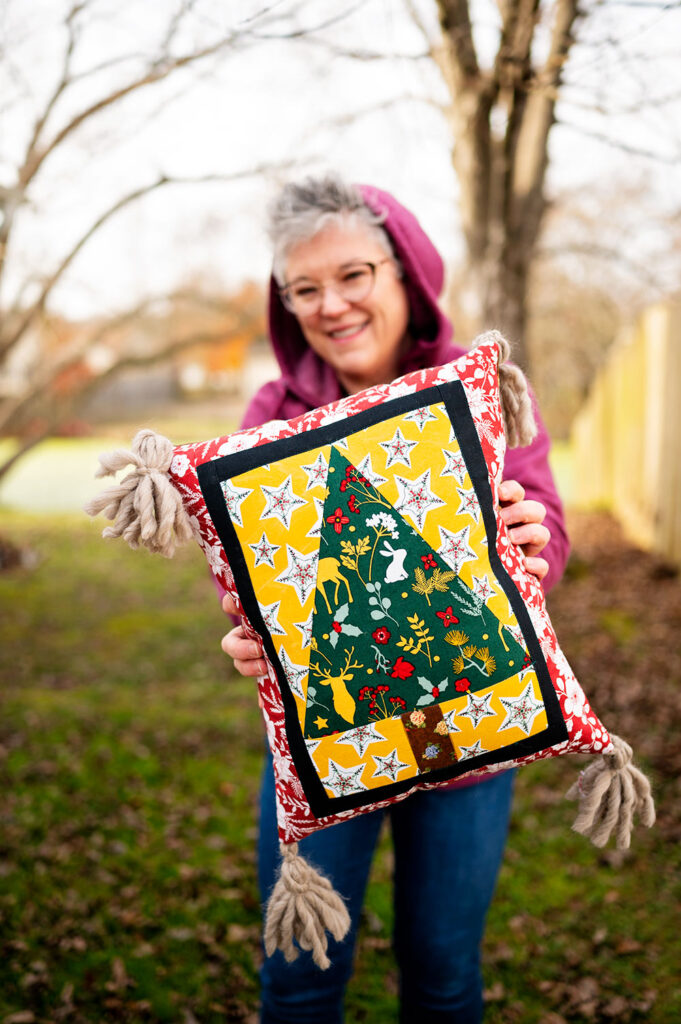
<point>343,702</point>
<point>328,571</point>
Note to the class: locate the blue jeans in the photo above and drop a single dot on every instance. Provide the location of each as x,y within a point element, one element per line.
<point>448,849</point>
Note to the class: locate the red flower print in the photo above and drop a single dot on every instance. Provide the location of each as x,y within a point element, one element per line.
<point>428,562</point>
<point>381,635</point>
<point>448,617</point>
<point>338,520</point>
<point>402,669</point>
<point>336,627</point>
<point>352,504</point>
<point>462,684</point>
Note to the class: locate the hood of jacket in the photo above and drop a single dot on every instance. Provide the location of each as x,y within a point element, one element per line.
<point>309,378</point>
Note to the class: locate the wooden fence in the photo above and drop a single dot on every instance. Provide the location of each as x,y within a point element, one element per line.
<point>626,440</point>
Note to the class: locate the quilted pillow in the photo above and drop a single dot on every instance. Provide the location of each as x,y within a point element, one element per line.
<point>406,644</point>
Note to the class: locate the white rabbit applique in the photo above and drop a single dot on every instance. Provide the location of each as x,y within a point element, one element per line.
<point>395,570</point>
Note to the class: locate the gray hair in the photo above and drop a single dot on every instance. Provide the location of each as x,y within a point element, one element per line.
<point>303,209</point>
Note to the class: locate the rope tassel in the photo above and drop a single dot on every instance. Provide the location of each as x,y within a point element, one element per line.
<point>303,907</point>
<point>145,507</point>
<point>611,791</point>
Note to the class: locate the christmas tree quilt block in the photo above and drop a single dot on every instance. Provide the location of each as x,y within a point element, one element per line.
<point>365,554</point>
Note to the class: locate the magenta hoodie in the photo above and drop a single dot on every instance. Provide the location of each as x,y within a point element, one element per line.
<point>307,381</point>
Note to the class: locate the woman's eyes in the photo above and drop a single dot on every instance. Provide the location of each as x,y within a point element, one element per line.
<point>308,291</point>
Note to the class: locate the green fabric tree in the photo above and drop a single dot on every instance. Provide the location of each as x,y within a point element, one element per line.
<point>394,627</point>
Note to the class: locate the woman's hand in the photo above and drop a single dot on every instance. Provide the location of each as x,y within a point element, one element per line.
<point>247,653</point>
<point>525,519</point>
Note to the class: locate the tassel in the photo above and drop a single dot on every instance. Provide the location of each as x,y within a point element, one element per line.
<point>611,791</point>
<point>516,404</point>
<point>303,906</point>
<point>145,507</point>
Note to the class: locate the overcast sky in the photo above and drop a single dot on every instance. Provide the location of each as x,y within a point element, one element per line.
<point>268,101</point>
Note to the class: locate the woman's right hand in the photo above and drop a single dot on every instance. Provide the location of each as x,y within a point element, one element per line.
<point>248,654</point>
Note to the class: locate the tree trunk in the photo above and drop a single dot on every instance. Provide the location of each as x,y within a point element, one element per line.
<point>501,119</point>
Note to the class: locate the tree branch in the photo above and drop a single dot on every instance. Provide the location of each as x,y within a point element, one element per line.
<point>52,416</point>
<point>672,159</point>
<point>531,155</point>
<point>39,305</point>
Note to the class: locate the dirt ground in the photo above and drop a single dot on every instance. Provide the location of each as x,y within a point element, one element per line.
<point>618,617</point>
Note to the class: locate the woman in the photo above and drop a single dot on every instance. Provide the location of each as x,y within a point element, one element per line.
<point>353,302</point>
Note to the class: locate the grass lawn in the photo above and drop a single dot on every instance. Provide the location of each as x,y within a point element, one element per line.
<point>129,768</point>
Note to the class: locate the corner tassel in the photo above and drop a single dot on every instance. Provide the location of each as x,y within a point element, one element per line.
<point>145,507</point>
<point>516,404</point>
<point>303,906</point>
<point>611,791</point>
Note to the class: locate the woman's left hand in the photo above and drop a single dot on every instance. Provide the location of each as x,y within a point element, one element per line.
<point>524,520</point>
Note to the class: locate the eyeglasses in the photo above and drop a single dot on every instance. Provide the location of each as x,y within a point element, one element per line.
<point>353,283</point>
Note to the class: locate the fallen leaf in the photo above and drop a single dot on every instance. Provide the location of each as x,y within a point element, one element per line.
<point>626,946</point>
<point>495,993</point>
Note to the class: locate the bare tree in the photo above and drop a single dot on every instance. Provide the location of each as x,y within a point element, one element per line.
<point>81,97</point>
<point>502,113</point>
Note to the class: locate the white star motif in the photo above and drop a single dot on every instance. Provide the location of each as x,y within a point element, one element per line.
<point>294,673</point>
<point>317,472</point>
<point>454,466</point>
<point>483,587</point>
<point>521,711</point>
<point>390,765</point>
<point>421,416</point>
<point>448,718</point>
<point>234,496</point>
<point>301,573</point>
<point>306,629</point>
<point>398,449</point>
<point>361,737</point>
<point>466,752</point>
<point>455,548</point>
<point>281,502</point>
<point>469,503</point>
<point>316,530</point>
<point>343,781</point>
<point>270,615</point>
<point>478,708</point>
<point>367,470</point>
<point>416,498</point>
<point>264,551</point>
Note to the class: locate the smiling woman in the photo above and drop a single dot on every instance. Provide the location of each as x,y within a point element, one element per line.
<point>353,303</point>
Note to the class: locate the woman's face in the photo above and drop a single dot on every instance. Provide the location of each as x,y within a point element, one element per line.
<point>362,341</point>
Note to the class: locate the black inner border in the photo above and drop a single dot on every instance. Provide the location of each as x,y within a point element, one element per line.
<point>211,474</point>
